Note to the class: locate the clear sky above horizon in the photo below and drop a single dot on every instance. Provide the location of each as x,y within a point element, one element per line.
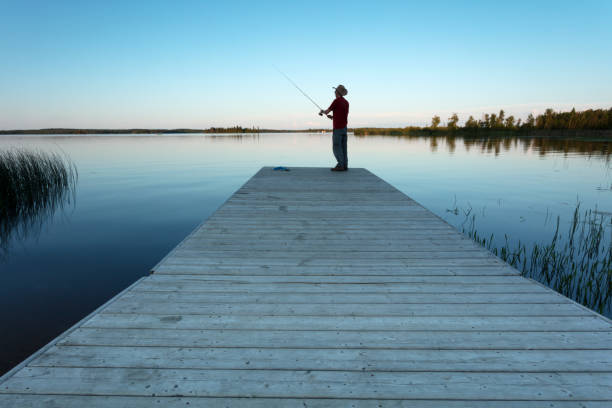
<point>197,64</point>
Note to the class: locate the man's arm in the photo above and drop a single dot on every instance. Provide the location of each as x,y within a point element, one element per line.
<point>326,112</point>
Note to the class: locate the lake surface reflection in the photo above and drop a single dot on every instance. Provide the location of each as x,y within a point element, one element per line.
<point>138,196</point>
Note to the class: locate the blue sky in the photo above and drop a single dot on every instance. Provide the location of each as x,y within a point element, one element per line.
<point>197,64</point>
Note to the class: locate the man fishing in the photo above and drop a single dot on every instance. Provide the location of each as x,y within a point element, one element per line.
<point>340,109</point>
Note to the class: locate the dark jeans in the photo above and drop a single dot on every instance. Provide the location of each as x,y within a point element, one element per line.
<point>339,143</point>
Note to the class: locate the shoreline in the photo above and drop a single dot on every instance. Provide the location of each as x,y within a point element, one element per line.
<point>603,134</point>
<point>599,134</point>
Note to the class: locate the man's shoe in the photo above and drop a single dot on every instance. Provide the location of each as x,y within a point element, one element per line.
<point>337,168</point>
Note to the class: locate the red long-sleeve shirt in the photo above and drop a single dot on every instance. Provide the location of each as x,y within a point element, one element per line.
<point>340,107</point>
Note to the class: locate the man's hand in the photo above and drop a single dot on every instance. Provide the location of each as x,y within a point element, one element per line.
<point>325,113</point>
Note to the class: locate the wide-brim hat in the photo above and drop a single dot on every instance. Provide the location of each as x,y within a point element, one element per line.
<point>341,89</point>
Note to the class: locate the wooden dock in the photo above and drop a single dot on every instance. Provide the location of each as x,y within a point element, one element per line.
<point>310,288</point>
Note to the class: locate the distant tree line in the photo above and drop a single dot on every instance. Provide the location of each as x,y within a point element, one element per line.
<point>70,131</point>
<point>588,119</point>
<point>598,120</point>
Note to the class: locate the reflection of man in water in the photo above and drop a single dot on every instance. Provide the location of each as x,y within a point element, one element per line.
<point>340,107</point>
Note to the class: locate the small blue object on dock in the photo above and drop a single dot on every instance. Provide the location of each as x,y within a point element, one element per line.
<point>281,168</point>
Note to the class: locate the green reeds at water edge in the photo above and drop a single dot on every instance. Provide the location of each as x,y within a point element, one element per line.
<point>577,264</point>
<point>33,185</point>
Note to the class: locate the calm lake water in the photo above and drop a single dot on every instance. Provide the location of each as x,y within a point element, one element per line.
<point>138,196</point>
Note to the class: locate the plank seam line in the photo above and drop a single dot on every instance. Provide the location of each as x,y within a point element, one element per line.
<point>338,330</point>
<point>318,284</point>
<point>219,315</point>
<point>449,276</point>
<point>255,347</point>
<point>173,301</point>
<point>302,250</point>
<point>152,367</point>
<point>303,279</point>
<point>295,398</point>
<point>354,331</point>
<point>64,334</point>
<point>246,292</point>
<point>161,272</point>
<point>177,281</point>
<point>291,398</point>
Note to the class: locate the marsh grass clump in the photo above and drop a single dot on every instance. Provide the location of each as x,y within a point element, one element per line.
<point>577,263</point>
<point>33,185</point>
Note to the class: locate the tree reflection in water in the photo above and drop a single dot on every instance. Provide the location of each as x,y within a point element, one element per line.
<point>505,141</point>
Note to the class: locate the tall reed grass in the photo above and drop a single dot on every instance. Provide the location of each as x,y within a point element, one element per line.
<point>576,263</point>
<point>33,184</point>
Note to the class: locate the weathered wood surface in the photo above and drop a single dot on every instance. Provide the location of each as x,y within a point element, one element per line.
<point>312,288</point>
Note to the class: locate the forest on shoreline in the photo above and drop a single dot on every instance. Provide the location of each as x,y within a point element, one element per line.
<point>591,122</point>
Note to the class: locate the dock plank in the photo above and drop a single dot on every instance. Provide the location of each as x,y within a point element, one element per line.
<point>103,401</point>
<point>542,386</point>
<point>356,323</point>
<point>302,337</point>
<point>325,359</point>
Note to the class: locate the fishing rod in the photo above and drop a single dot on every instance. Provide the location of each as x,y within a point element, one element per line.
<point>300,89</point>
